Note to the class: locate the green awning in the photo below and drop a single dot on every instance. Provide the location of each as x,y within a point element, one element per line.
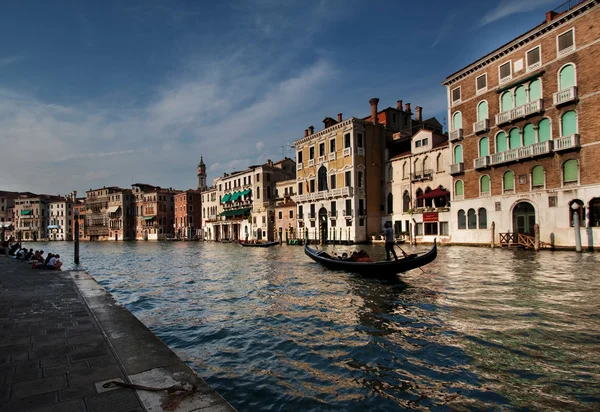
<point>148,217</point>
<point>226,198</point>
<point>235,196</point>
<point>236,212</point>
<point>26,212</point>
<point>246,192</point>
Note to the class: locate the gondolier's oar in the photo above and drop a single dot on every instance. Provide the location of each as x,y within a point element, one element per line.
<point>406,255</point>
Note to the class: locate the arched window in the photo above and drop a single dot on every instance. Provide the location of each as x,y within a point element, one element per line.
<point>459,188</point>
<point>568,123</point>
<point>322,179</point>
<point>419,194</point>
<point>417,167</point>
<point>520,96</point>
<point>405,170</point>
<point>570,172</point>
<point>405,201</point>
<point>484,147</point>
<point>462,219</point>
<point>458,154</point>
<point>472,219</point>
<point>427,169</point>
<point>482,111</point>
<point>566,77</point>
<point>580,212</point>
<point>501,142</point>
<point>594,214</point>
<point>506,102</point>
<point>537,177</point>
<point>535,90</point>
<point>509,181</point>
<point>515,138</point>
<point>482,215</point>
<point>485,185</point>
<point>528,134</point>
<point>428,201</point>
<point>457,121</point>
<point>390,203</point>
<point>544,133</point>
<point>440,163</point>
<point>390,173</point>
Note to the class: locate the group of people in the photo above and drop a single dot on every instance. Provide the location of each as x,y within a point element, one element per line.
<point>35,258</point>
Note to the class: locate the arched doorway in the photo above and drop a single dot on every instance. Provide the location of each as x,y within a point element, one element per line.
<point>524,218</point>
<point>323,223</point>
<point>322,182</point>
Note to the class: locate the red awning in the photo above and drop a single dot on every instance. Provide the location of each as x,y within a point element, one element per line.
<point>438,192</point>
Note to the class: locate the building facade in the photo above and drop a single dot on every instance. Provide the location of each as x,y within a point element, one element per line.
<point>7,210</point>
<point>523,124</point>
<point>188,215</point>
<point>60,217</point>
<point>31,217</point>
<point>210,213</point>
<point>154,210</point>
<point>285,210</point>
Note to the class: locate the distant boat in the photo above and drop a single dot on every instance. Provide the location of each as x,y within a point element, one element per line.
<point>373,269</point>
<point>264,244</point>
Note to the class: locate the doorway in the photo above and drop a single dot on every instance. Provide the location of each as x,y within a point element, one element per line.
<point>524,219</point>
<point>323,224</point>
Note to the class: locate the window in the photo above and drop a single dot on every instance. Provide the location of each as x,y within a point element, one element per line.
<point>458,154</point>
<point>565,42</point>
<point>348,177</point>
<point>444,229</point>
<point>257,178</point>
<point>505,72</point>
<point>348,211</point>
<point>331,182</point>
<point>509,181</point>
<point>594,212</point>
<point>485,185</point>
<point>568,123</point>
<point>459,188</point>
<point>431,228</point>
<point>311,153</point>
<point>361,181</point>
<point>520,96</point>
<point>361,207</point>
<point>515,138</point>
<point>471,219</point>
<point>346,140</point>
<point>566,77</point>
<point>300,212</point>
<point>537,177</point>
<point>580,212</point>
<point>425,142</point>
<point>359,140</point>
<point>535,90</point>
<point>481,83</point>
<point>456,95</point>
<point>570,172</point>
<point>312,185</point>
<point>321,149</point>
<point>456,121</point>
<point>418,143</point>
<point>419,229</point>
<point>534,59</point>
<point>405,202</point>
<point>299,161</point>
<point>484,147</point>
<point>333,208</point>
<point>332,146</point>
<point>280,214</point>
<point>482,215</point>
<point>462,219</point>
<point>506,101</point>
<point>528,134</point>
<point>482,111</point>
<point>544,133</point>
<point>300,188</point>
<point>501,142</point>
<point>390,203</point>
<point>440,163</point>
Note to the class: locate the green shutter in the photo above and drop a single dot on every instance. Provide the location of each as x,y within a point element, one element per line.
<point>509,180</point>
<point>501,145</point>
<point>485,184</point>
<point>520,96</point>
<point>528,135</point>
<point>457,121</point>
<point>569,123</point>
<point>458,188</point>
<point>537,176</point>
<point>507,102</point>
<point>482,111</point>
<point>570,170</point>
<point>535,90</point>
<point>515,138</point>
<point>484,147</point>
<point>458,157</point>
<point>567,77</point>
<point>544,130</point>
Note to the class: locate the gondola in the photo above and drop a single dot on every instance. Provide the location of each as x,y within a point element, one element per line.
<point>265,244</point>
<point>375,269</point>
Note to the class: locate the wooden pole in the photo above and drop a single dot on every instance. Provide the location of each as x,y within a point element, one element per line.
<point>493,235</point>
<point>536,231</point>
<point>76,245</point>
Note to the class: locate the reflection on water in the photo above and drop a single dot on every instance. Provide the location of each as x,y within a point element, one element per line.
<point>270,329</point>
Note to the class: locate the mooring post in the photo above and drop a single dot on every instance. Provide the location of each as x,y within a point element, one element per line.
<point>76,244</point>
<point>536,232</point>
<point>493,233</point>
<point>575,208</point>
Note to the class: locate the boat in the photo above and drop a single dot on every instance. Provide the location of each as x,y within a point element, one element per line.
<point>374,269</point>
<point>263,244</point>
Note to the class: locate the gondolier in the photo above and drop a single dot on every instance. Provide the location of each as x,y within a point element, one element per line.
<point>388,234</point>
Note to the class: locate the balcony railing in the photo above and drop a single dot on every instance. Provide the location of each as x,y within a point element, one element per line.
<point>325,194</point>
<point>311,162</point>
<point>299,166</point>
<point>457,168</point>
<point>426,174</point>
<point>565,96</point>
<point>511,155</point>
<point>332,156</point>
<point>321,159</point>
<point>348,151</point>
<point>532,150</point>
<point>300,216</point>
<point>332,214</point>
<point>361,151</point>
<point>456,135</point>
<point>566,143</point>
<point>312,215</point>
<point>524,110</point>
<point>348,213</point>
<point>481,126</point>
<point>481,162</point>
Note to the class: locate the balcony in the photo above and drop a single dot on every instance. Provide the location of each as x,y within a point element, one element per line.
<point>566,143</point>
<point>312,215</point>
<point>332,214</point>
<point>456,135</point>
<point>299,166</point>
<point>348,213</point>
<point>300,216</point>
<point>332,156</point>
<point>325,194</point>
<point>361,151</point>
<point>481,162</point>
<point>481,126</point>
<point>347,151</point>
<point>529,151</point>
<point>565,96</point>
<point>457,168</point>
<point>311,162</point>
<point>524,110</point>
<point>321,159</point>
<point>421,175</point>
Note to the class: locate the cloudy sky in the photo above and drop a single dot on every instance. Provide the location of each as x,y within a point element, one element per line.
<point>96,93</point>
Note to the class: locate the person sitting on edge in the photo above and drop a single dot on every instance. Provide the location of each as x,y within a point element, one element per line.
<point>13,249</point>
<point>50,264</point>
<point>28,255</point>
<point>57,262</point>
<point>21,254</point>
<point>388,233</point>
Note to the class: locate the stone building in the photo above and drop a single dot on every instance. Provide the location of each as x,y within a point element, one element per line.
<point>7,210</point>
<point>154,211</point>
<point>31,216</point>
<point>285,210</point>
<point>210,212</point>
<point>188,214</point>
<point>523,133</point>
<point>79,215</point>
<point>60,217</point>
<point>108,214</point>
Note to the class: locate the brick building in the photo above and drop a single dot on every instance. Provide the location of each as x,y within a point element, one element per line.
<point>523,132</point>
<point>79,215</point>
<point>285,210</point>
<point>188,214</point>
<point>154,211</point>
<point>109,214</point>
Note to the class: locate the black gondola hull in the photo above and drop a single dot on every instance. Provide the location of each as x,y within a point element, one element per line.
<point>266,244</point>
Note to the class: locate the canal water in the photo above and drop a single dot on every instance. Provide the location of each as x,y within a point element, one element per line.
<point>270,329</point>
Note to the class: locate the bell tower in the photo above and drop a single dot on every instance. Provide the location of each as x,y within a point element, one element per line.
<point>202,175</point>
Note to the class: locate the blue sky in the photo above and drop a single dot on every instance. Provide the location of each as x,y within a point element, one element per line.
<point>96,93</point>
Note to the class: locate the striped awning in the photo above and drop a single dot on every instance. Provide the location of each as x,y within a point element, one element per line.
<point>226,198</point>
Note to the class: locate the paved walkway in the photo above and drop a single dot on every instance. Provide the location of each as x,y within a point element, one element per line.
<point>62,335</point>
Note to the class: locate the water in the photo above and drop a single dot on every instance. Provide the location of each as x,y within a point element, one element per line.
<point>271,330</point>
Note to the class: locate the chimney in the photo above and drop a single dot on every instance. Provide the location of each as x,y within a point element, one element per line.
<point>311,130</point>
<point>419,114</point>
<point>305,132</point>
<point>339,117</point>
<point>550,15</point>
<point>399,105</point>
<point>407,107</point>
<point>374,101</point>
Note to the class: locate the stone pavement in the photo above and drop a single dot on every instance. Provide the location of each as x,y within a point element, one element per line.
<point>62,335</point>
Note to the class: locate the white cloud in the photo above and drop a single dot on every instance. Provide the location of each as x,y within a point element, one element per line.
<point>260,146</point>
<point>5,61</point>
<point>509,7</point>
<point>446,28</point>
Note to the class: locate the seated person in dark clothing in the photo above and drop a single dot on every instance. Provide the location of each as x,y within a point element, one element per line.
<point>13,249</point>
<point>28,256</point>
